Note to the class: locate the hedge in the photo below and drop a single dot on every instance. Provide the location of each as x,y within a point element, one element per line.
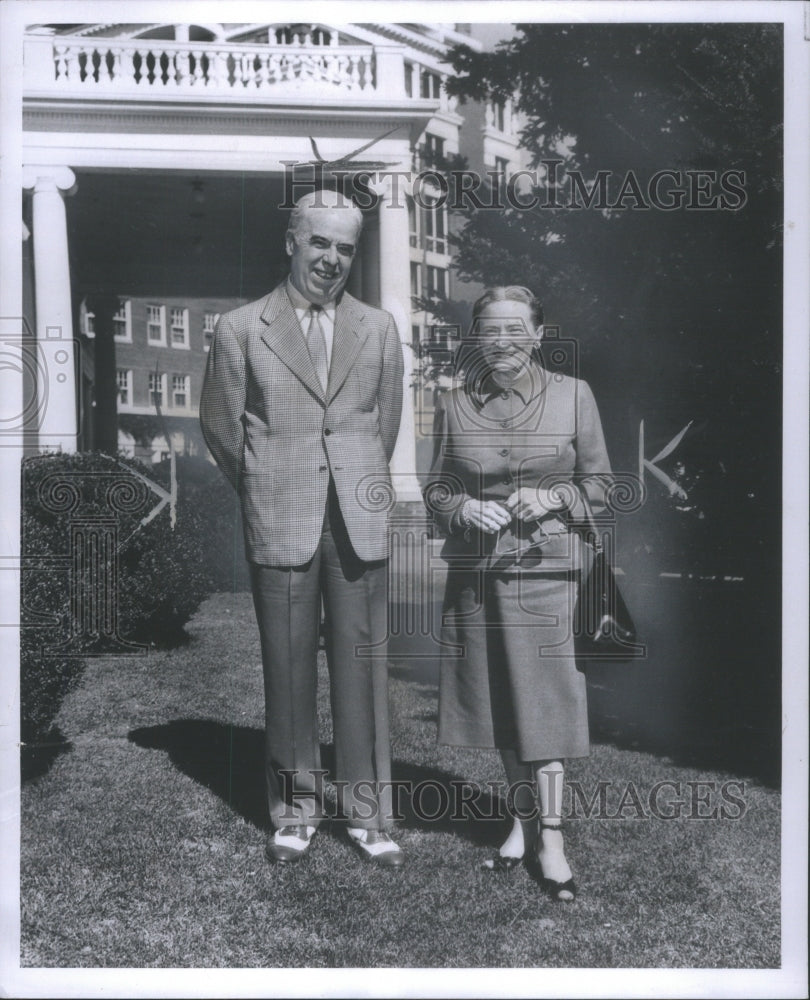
<point>73,503</point>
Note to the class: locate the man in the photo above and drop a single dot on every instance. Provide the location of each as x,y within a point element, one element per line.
<point>300,408</point>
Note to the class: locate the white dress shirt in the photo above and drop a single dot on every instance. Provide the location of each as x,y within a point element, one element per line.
<point>302,309</point>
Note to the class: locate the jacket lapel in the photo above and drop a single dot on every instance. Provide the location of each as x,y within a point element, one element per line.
<point>350,335</point>
<point>284,338</point>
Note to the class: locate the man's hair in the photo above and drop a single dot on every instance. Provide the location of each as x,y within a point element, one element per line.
<point>324,198</point>
<point>510,293</point>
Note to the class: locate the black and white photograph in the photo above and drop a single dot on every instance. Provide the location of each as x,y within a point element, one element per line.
<point>404,519</point>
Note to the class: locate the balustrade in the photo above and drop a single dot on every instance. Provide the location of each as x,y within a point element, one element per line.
<point>159,66</point>
<point>422,82</point>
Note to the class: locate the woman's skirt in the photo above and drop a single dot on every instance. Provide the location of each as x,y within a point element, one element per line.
<point>508,675</point>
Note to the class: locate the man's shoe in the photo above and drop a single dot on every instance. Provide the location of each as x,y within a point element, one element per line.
<point>288,844</point>
<point>377,847</point>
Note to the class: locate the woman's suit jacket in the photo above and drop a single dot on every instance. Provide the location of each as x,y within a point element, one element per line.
<point>545,431</point>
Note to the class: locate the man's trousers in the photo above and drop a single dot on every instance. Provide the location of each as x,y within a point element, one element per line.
<point>288,608</point>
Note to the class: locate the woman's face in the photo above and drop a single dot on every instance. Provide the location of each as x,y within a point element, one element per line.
<point>506,334</point>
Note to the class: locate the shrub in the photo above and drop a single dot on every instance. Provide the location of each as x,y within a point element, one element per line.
<point>83,510</point>
<point>202,486</point>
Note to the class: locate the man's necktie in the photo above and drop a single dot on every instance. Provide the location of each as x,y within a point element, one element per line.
<point>316,342</point>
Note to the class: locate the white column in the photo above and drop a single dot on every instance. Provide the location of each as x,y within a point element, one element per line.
<point>56,394</point>
<point>395,296</point>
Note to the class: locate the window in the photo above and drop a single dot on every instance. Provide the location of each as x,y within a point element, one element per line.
<point>209,325</point>
<point>416,282</point>
<point>122,321</point>
<point>124,381</point>
<point>87,320</point>
<point>180,391</point>
<point>435,225</point>
<point>501,174</point>
<point>437,281</point>
<point>157,389</point>
<point>430,85</point>
<point>156,324</point>
<point>499,115</point>
<point>413,223</point>
<point>432,150</point>
<point>179,327</point>
<point>443,337</point>
<point>410,69</point>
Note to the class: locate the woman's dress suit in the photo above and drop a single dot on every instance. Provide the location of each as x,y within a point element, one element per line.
<point>508,674</point>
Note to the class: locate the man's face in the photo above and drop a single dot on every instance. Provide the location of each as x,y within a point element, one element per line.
<point>321,252</point>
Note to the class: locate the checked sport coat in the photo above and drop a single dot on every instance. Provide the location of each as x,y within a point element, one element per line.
<point>278,437</point>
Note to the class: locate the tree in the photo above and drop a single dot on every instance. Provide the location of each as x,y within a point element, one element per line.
<point>677,313</point>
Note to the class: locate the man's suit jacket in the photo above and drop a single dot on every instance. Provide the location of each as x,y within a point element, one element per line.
<point>278,437</point>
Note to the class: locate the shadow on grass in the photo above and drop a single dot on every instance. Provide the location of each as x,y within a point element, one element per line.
<point>229,760</point>
<point>744,753</point>
<point>697,722</point>
<point>171,636</point>
<point>36,758</point>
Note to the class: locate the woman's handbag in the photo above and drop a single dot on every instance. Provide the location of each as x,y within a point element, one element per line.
<point>603,626</point>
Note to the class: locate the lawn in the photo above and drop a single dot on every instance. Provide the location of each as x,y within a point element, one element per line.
<point>143,844</point>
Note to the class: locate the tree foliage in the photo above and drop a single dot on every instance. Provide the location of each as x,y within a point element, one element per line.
<point>676,314</point>
<point>639,95</point>
<point>632,99</point>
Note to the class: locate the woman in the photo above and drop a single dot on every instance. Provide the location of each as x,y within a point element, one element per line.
<point>513,446</point>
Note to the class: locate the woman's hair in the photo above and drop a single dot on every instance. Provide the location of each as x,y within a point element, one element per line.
<point>468,361</point>
<point>510,293</point>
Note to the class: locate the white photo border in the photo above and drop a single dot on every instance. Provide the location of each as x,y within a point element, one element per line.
<point>788,981</point>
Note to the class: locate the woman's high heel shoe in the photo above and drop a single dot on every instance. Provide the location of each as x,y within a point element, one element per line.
<point>560,892</point>
<point>503,863</point>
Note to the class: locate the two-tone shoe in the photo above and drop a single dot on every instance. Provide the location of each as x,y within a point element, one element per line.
<point>288,844</point>
<point>377,847</point>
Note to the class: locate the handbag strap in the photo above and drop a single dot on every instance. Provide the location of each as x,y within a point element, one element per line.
<point>597,536</point>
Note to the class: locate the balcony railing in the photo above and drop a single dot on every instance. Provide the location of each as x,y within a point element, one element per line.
<point>428,84</point>
<point>161,69</point>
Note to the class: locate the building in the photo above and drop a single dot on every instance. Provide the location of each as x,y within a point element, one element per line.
<point>158,161</point>
<point>161,344</point>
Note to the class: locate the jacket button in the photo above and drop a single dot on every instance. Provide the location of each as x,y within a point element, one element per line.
<point>327,432</point>
<point>504,451</point>
<point>322,468</point>
<point>505,423</point>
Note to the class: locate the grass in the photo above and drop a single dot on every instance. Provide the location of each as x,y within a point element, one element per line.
<point>143,845</point>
